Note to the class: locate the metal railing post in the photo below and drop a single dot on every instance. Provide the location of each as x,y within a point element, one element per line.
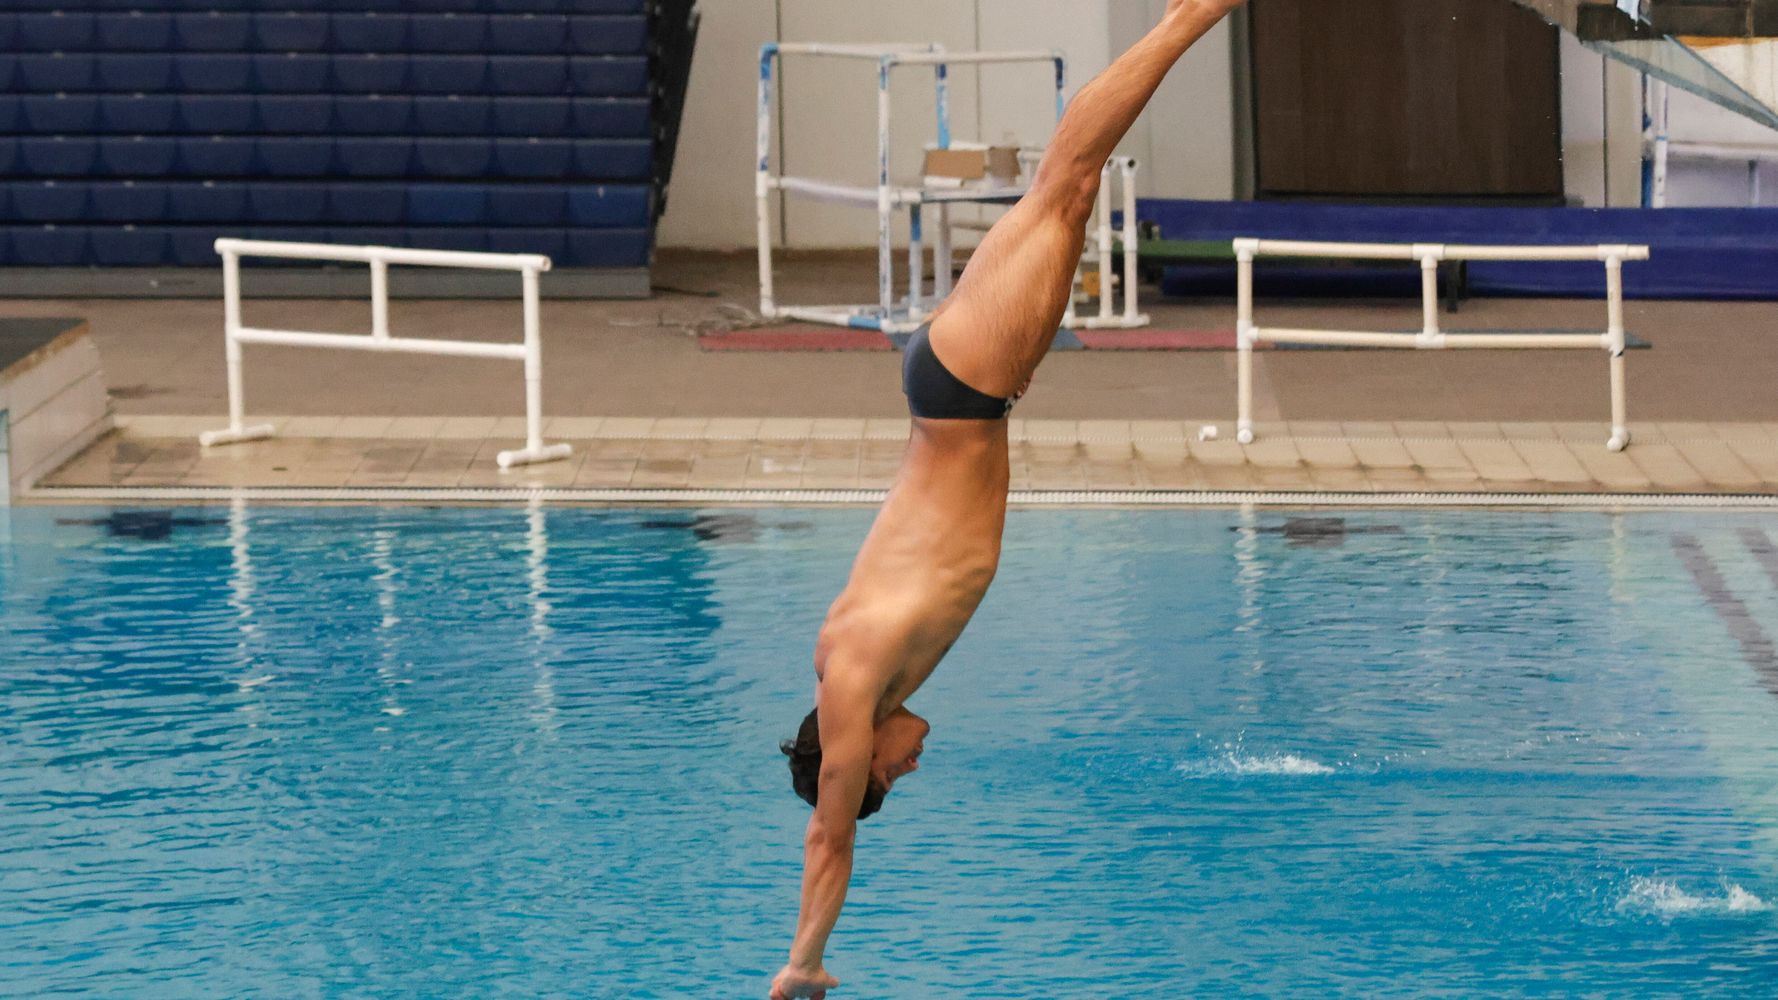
<point>1244,339</point>
<point>1616,337</point>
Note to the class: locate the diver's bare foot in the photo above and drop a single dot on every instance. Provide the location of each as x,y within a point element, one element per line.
<point>795,984</point>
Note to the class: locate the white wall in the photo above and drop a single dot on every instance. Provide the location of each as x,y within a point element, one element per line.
<point>1601,121</point>
<point>829,107</point>
<point>1693,183</point>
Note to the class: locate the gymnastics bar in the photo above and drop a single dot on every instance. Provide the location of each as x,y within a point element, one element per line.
<point>530,352</point>
<point>1430,337</point>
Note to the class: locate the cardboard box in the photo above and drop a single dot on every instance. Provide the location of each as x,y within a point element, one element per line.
<point>974,163</point>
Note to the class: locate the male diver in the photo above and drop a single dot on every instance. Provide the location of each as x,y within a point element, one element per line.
<point>935,546</point>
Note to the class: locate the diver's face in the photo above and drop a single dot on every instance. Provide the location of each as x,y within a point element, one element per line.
<point>900,740</point>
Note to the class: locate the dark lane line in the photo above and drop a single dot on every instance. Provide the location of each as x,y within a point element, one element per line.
<point>1760,544</point>
<point>1756,646</point>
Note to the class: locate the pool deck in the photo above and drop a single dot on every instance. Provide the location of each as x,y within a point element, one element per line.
<point>627,385</point>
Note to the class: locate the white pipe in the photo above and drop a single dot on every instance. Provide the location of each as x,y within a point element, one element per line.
<point>390,255</point>
<point>762,186</point>
<point>943,259</point>
<point>978,58</point>
<point>875,53</point>
<point>533,364</point>
<point>1429,297</point>
<point>1614,286</point>
<point>885,250</point>
<point>231,308</point>
<point>1132,248</point>
<point>394,345</point>
<point>1406,251</point>
<point>1105,292</point>
<point>1244,337</point>
<point>916,263</point>
<point>1419,341</point>
<point>379,299</point>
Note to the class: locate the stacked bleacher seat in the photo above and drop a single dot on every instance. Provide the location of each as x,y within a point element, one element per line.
<point>135,132</point>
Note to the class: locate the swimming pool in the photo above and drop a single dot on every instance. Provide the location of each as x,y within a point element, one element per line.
<point>292,752</point>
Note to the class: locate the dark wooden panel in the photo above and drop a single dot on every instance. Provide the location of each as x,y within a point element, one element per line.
<point>1406,99</point>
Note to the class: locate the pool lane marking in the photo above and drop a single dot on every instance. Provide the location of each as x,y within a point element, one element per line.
<point>1757,648</point>
<point>1764,552</point>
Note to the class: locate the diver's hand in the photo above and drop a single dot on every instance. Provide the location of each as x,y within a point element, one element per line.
<point>794,983</point>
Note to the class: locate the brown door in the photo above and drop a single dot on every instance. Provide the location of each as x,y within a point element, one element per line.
<point>1414,99</point>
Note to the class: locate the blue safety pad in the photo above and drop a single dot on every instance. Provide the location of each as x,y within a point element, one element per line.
<point>129,246</point>
<point>135,73</point>
<point>129,201</point>
<point>212,31</point>
<point>370,74</point>
<point>138,155</point>
<point>216,114</point>
<point>1697,253</point>
<point>56,72</point>
<point>48,201</point>
<point>460,33</point>
<point>610,76</point>
<point>532,116</point>
<point>453,157</point>
<point>290,156</point>
<point>613,159</point>
<point>138,113</point>
<point>305,115</point>
<point>448,74</point>
<point>606,248</point>
<point>58,156</point>
<point>296,203</point>
<point>60,114</point>
<point>552,243</point>
<point>373,203</point>
<point>599,36</point>
<point>535,159</point>
<point>527,205</point>
<point>216,156</point>
<point>291,31</point>
<point>208,201</point>
<point>529,34</point>
<point>57,31</point>
<point>49,246</point>
<point>374,115</point>
<point>292,72</point>
<point>609,205</point>
<point>379,157</point>
<point>447,205</point>
<point>213,73</point>
<point>361,32</point>
<point>135,31</point>
<point>452,116</point>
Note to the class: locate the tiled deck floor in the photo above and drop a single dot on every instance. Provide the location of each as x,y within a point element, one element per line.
<point>841,454</point>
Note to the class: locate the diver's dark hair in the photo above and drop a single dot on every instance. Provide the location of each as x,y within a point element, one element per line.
<point>805,768</point>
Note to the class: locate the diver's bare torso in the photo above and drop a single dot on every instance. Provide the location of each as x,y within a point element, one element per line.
<point>928,561</point>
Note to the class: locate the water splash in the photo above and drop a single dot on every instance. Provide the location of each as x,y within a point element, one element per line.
<point>1245,765</point>
<point>1664,898</point>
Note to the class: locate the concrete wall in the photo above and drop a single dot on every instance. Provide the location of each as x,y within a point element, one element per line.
<point>1699,183</point>
<point>829,107</point>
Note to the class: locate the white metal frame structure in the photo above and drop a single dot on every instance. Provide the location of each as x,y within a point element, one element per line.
<point>891,314</point>
<point>1430,336</point>
<point>530,351</point>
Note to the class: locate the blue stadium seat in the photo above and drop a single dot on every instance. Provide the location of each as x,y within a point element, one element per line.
<point>527,205</point>
<point>448,74</point>
<point>59,71</point>
<point>448,33</point>
<point>532,116</point>
<point>613,117</point>
<point>613,159</point>
<point>221,114</point>
<point>216,156</point>
<point>369,32</point>
<point>195,246</point>
<point>381,157</point>
<point>300,156</point>
<point>49,246</point>
<point>138,155</point>
<point>129,246</point>
<point>135,73</point>
<point>130,201</point>
<point>528,74</point>
<point>608,206</point>
<point>472,240</point>
<point>306,115</point>
<point>136,31</point>
<point>529,34</point>
<point>292,72</point>
<point>535,158</point>
<point>606,248</point>
<point>290,31</point>
<point>367,203</point>
<point>447,205</point>
<point>66,114</point>
<point>601,6</point>
<point>49,201</point>
<point>58,156</point>
<point>212,73</point>
<point>213,31</point>
<point>138,113</point>
<point>9,154</point>
<point>367,236</point>
<point>8,32</point>
<point>11,114</point>
<point>552,243</point>
<point>607,36</point>
<point>57,31</point>
<point>374,115</point>
<point>305,203</point>
<point>453,157</point>
<point>611,76</point>
<point>444,116</point>
<point>209,201</point>
<point>370,74</point>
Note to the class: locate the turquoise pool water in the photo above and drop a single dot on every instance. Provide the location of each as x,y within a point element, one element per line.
<point>294,752</point>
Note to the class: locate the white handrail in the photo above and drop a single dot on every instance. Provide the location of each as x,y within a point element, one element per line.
<point>1430,336</point>
<point>529,266</point>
